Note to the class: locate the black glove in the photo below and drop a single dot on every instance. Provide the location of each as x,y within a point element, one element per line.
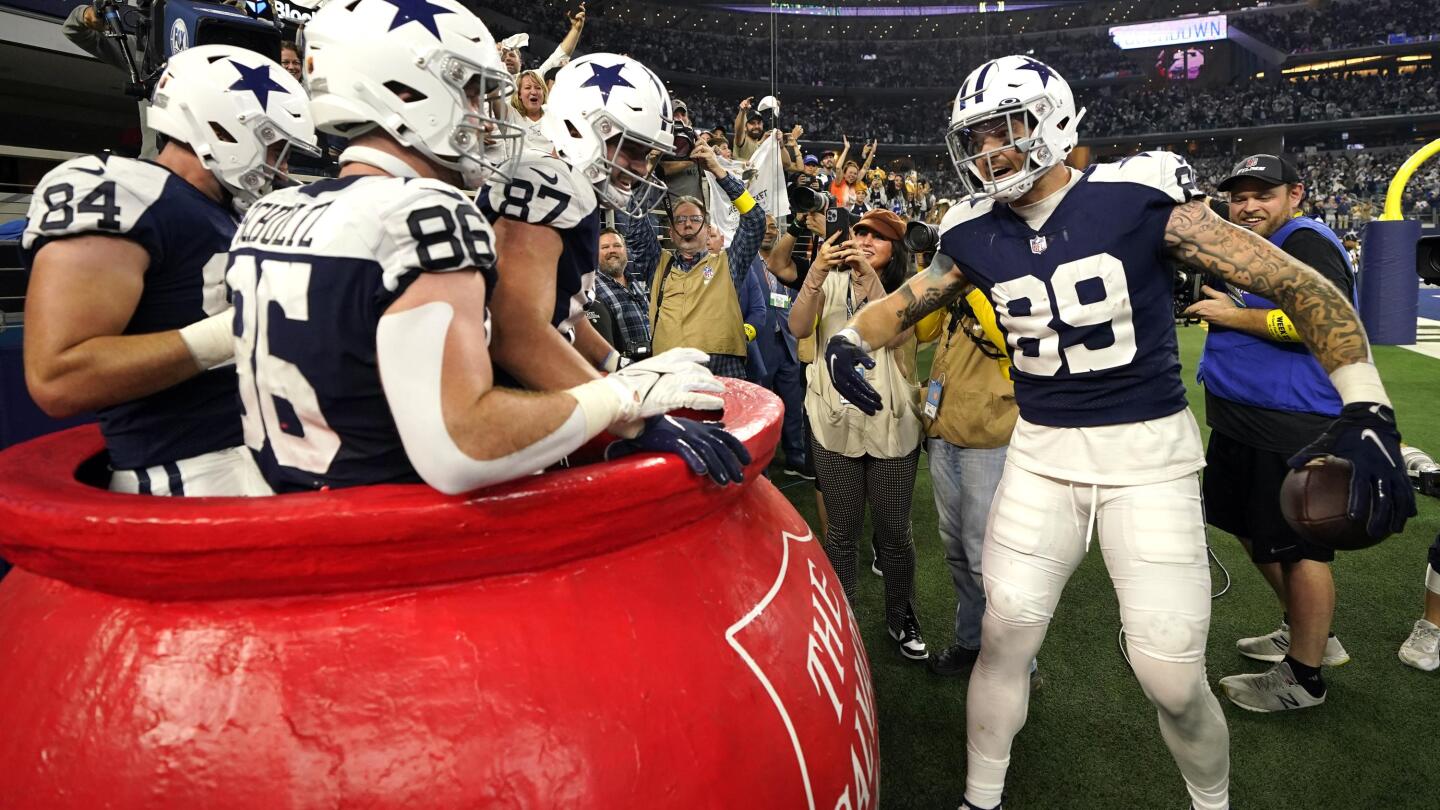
<point>1380,494</point>
<point>707,447</point>
<point>841,357</point>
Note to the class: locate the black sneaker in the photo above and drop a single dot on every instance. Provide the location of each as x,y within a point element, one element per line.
<point>953,660</point>
<point>912,645</point>
<point>806,470</point>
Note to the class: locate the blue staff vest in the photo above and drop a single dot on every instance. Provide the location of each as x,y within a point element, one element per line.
<point>1255,371</point>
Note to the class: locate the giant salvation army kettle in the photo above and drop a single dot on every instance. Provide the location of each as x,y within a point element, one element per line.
<point>612,635</point>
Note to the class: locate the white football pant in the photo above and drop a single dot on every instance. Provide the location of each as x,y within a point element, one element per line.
<point>228,472</point>
<point>1152,537</point>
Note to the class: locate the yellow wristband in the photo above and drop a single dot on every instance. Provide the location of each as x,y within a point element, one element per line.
<point>749,332</point>
<point>744,203</point>
<point>1281,328</point>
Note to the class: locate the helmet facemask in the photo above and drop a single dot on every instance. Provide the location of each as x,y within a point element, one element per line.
<point>1018,126</point>
<point>484,142</point>
<point>633,193</point>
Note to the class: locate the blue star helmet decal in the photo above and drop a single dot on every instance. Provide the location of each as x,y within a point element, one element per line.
<point>421,11</point>
<point>256,80</point>
<point>1040,68</point>
<point>606,78</point>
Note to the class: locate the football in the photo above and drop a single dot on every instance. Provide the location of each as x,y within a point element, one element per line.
<point>1314,500</point>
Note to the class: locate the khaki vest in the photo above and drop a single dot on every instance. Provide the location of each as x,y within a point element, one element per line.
<point>700,307</point>
<point>895,431</point>
<point>977,402</point>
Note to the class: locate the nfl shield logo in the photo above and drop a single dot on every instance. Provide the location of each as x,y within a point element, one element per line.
<point>1037,245</point>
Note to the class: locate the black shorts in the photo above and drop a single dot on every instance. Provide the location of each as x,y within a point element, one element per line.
<point>1241,488</point>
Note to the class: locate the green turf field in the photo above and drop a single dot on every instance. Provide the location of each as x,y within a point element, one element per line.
<point>1092,740</point>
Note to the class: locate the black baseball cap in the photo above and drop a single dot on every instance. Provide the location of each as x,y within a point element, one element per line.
<point>1271,169</point>
<point>754,116</point>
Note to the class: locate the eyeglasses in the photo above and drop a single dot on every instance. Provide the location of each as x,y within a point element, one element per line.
<point>693,220</point>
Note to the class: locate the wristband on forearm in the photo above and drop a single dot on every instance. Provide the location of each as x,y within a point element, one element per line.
<point>1280,327</point>
<point>744,203</point>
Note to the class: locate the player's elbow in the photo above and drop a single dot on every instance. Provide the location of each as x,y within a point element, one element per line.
<point>56,397</point>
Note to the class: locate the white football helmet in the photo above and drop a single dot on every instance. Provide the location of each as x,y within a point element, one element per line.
<point>1029,106</point>
<point>602,104</point>
<point>229,105</point>
<point>424,71</point>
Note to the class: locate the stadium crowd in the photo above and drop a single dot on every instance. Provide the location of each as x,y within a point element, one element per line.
<point>1350,24</point>
<point>910,63</point>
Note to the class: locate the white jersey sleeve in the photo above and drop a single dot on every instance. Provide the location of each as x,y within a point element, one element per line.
<point>1165,172</point>
<point>431,227</point>
<point>100,195</point>
<point>542,190</point>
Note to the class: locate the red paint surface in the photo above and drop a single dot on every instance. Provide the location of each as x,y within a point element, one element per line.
<point>616,635</point>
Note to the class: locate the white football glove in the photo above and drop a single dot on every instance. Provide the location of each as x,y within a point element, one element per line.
<point>665,382</point>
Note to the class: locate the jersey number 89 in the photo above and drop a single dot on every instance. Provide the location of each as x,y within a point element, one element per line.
<point>1088,292</point>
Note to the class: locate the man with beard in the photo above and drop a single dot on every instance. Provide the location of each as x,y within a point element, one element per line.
<point>627,299</point>
<point>1257,423</point>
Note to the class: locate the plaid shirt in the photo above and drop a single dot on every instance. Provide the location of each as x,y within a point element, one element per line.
<point>630,306</point>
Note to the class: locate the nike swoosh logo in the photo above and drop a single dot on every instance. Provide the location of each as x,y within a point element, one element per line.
<point>552,179</point>
<point>97,172</point>
<point>1367,433</point>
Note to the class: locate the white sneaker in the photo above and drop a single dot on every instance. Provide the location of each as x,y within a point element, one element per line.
<point>1274,690</point>
<point>1422,649</point>
<point>1275,646</point>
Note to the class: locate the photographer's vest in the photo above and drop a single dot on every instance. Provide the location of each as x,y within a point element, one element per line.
<point>1255,371</point>
<point>698,308</point>
<point>895,431</point>
<point>977,399</point>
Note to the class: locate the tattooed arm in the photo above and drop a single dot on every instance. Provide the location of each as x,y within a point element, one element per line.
<point>929,290</point>
<point>1322,314</point>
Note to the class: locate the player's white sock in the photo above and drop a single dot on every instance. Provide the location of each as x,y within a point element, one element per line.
<point>1432,580</point>
<point>997,704</point>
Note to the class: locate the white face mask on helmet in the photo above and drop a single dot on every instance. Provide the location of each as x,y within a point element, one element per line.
<point>230,106</point>
<point>603,106</point>
<point>426,73</point>
<point>1026,106</point>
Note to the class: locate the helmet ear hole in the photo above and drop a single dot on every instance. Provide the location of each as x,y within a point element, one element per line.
<point>405,92</point>
<point>221,133</point>
<point>1064,122</point>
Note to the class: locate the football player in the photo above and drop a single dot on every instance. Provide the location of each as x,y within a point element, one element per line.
<point>126,313</point>
<point>361,325</point>
<point>605,115</point>
<point>1076,267</point>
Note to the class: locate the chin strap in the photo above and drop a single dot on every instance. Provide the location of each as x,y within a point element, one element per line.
<point>384,161</point>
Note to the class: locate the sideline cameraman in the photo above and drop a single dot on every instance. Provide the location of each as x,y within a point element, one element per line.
<point>85,27</point>
<point>1266,397</point>
<point>694,294</point>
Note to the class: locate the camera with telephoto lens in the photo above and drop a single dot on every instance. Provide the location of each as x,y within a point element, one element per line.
<point>807,200</point>
<point>684,141</point>
<point>1188,282</point>
<point>921,237</point>
<point>1427,259</point>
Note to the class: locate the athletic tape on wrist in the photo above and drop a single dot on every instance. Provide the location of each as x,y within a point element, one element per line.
<point>854,337</point>
<point>1359,382</point>
<point>211,341</point>
<point>601,402</point>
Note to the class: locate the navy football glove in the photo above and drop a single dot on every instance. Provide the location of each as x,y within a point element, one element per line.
<point>841,357</point>
<point>707,447</point>
<point>1365,435</point>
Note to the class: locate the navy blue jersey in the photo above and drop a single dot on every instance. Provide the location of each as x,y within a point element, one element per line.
<point>311,272</point>
<point>1086,303</point>
<point>544,190</point>
<point>186,234</point>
